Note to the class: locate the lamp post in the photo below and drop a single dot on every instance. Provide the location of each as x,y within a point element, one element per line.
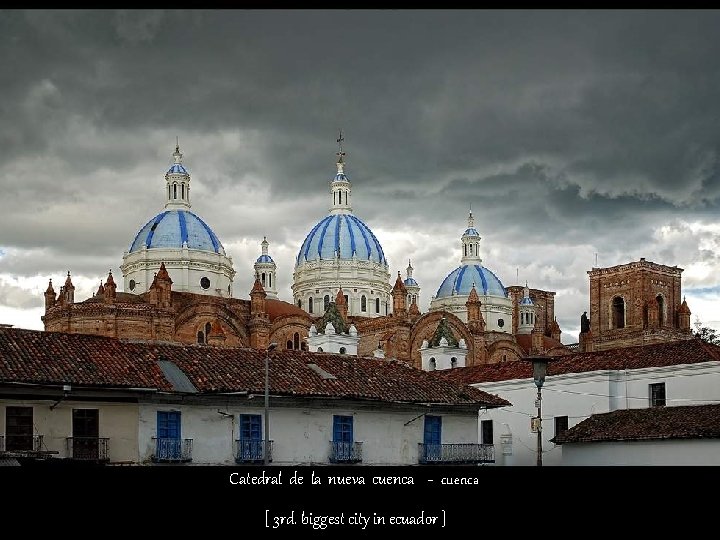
<point>539,364</point>
<point>266,455</point>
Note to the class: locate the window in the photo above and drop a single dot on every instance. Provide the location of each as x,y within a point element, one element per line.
<point>320,349</point>
<point>326,302</point>
<point>661,309</point>
<point>342,350</point>
<point>618,312</point>
<point>270,280</point>
<point>347,302</point>
<point>377,305</point>
<point>85,432</point>
<point>18,428</point>
<point>561,425</point>
<point>432,437</point>
<point>250,443</point>
<point>453,362</point>
<point>205,283</point>
<point>288,345</point>
<point>342,428</point>
<point>465,249</point>
<point>262,279</point>
<point>363,303</point>
<point>208,327</point>
<point>200,337</point>
<point>174,191</point>
<point>182,190</point>
<point>132,284</point>
<point>433,364</point>
<point>310,305</point>
<point>300,303</point>
<point>501,323</point>
<point>657,395</point>
<point>486,431</point>
<point>296,341</point>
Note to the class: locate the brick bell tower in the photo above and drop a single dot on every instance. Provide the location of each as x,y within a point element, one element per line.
<point>635,304</point>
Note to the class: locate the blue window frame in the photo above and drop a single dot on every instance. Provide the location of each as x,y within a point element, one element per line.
<point>168,445</point>
<point>342,429</point>
<point>251,441</point>
<point>432,437</point>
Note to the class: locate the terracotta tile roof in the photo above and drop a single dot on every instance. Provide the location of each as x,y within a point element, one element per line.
<point>278,308</point>
<point>682,422</point>
<point>689,351</point>
<point>54,357</point>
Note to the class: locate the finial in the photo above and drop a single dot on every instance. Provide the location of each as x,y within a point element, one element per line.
<point>177,143</point>
<point>68,273</point>
<point>340,154</point>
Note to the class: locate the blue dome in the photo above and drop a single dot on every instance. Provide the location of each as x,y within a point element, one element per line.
<point>345,234</point>
<point>471,232</point>
<point>170,229</point>
<point>462,278</point>
<point>177,169</point>
<point>264,259</point>
<point>526,301</point>
<point>410,282</point>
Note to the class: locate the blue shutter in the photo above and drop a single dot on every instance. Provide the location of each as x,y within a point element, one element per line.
<point>250,427</point>
<point>433,430</point>
<point>168,425</point>
<point>343,429</point>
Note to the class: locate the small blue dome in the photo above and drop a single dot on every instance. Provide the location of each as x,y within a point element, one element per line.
<point>526,301</point>
<point>264,259</point>
<point>471,232</point>
<point>171,228</point>
<point>410,282</point>
<point>341,177</point>
<point>462,278</point>
<point>342,233</point>
<point>177,169</point>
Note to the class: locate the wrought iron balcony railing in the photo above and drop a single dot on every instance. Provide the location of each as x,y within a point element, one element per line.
<point>459,453</point>
<point>172,450</point>
<point>21,443</point>
<point>345,452</point>
<point>88,448</point>
<point>252,451</point>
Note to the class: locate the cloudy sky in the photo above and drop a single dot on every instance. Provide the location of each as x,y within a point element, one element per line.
<point>571,134</point>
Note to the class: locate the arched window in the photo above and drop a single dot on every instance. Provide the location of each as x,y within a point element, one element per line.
<point>296,341</point>
<point>262,278</point>
<point>326,302</point>
<point>169,193</point>
<point>470,249</point>
<point>208,327</point>
<point>465,248</point>
<point>174,191</point>
<point>201,337</point>
<point>310,304</point>
<point>289,345</point>
<point>300,303</point>
<point>661,309</point>
<point>347,301</point>
<point>618,312</point>
<point>342,350</point>
<point>432,364</point>
<point>363,303</point>
<point>377,305</point>
<point>270,279</point>
<point>182,191</point>
<point>319,349</point>
<point>453,362</point>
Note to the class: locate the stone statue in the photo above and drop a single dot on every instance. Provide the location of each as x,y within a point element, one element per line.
<point>584,323</point>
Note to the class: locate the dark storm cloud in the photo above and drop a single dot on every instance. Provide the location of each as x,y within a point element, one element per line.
<point>584,131</point>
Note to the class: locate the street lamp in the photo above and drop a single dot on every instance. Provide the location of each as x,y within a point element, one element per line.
<point>266,455</point>
<point>539,364</point>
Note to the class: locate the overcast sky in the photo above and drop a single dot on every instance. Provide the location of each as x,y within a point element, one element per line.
<point>571,133</point>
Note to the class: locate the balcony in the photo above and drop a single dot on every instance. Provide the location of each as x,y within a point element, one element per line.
<point>455,454</point>
<point>88,448</point>
<point>252,451</point>
<point>345,452</point>
<point>172,450</point>
<point>21,445</point>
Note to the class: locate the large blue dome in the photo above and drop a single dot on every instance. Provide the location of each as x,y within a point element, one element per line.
<point>461,281</point>
<point>170,229</point>
<point>342,233</point>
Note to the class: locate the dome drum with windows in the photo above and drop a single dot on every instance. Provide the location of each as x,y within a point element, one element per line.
<point>192,253</point>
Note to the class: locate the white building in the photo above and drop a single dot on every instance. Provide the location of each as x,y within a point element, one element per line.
<point>192,253</point>
<point>669,436</point>
<point>159,403</point>
<point>579,385</point>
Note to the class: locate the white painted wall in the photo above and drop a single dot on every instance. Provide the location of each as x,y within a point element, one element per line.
<point>303,435</point>
<point>658,452</point>
<point>578,395</point>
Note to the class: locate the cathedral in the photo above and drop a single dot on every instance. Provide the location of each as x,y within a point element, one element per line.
<point>177,281</point>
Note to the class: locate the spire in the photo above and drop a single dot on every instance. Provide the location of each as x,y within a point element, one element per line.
<point>50,289</point>
<point>409,269</point>
<point>264,245</point>
<point>340,154</point>
<point>471,220</point>
<point>163,273</point>
<point>177,156</point>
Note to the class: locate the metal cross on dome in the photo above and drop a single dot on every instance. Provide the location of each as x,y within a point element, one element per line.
<point>340,141</point>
